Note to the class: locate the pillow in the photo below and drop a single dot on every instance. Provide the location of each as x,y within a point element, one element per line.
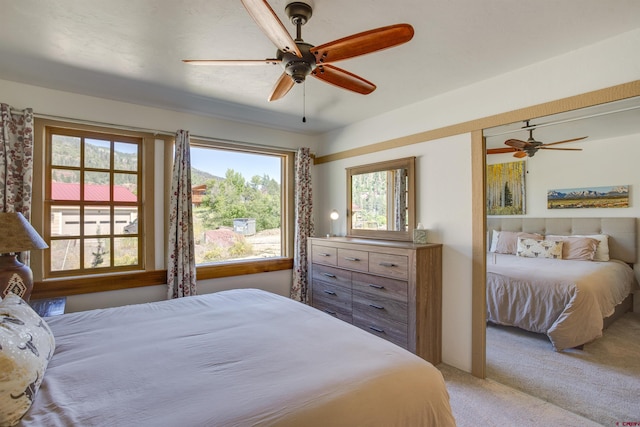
<point>577,248</point>
<point>507,241</point>
<point>602,253</point>
<point>533,248</point>
<point>26,346</point>
<point>494,240</point>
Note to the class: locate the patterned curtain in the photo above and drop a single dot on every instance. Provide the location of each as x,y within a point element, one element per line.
<point>304,225</point>
<point>400,204</point>
<point>16,163</point>
<point>181,264</point>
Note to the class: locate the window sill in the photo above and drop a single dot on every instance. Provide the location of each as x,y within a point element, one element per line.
<point>51,288</point>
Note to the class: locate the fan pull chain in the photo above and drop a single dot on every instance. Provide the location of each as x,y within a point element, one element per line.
<point>304,102</point>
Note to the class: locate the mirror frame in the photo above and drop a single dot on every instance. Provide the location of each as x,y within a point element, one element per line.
<point>406,163</point>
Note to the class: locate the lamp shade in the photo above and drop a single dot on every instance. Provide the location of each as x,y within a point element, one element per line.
<point>17,235</point>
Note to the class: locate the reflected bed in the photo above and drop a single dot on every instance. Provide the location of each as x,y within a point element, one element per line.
<point>569,300</point>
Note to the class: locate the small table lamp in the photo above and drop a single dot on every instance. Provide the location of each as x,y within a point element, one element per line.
<point>16,235</point>
<point>334,215</point>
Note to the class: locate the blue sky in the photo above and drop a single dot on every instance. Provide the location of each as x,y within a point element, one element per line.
<point>217,162</point>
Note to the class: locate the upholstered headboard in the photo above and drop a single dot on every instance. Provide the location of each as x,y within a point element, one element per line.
<point>621,231</point>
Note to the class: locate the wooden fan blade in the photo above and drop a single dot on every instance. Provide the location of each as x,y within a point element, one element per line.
<point>271,26</point>
<point>560,148</point>
<point>282,87</point>
<point>231,62</point>
<point>520,154</point>
<point>516,143</point>
<point>344,79</point>
<point>500,150</point>
<point>565,141</point>
<point>363,43</point>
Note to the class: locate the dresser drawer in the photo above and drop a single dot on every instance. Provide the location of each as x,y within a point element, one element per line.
<point>396,266</point>
<point>334,300</point>
<point>324,255</point>
<point>379,307</point>
<point>353,259</point>
<point>331,275</point>
<point>380,286</point>
<point>397,333</point>
<point>334,310</point>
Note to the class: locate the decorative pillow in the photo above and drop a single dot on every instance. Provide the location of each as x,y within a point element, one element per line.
<point>602,253</point>
<point>533,248</point>
<point>577,248</point>
<point>26,346</point>
<point>507,241</point>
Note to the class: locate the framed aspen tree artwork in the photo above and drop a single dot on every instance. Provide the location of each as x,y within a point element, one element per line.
<point>506,188</point>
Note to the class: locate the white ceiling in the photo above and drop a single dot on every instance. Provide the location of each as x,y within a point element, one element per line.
<point>131,51</point>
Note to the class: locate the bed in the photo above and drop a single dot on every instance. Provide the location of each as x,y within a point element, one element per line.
<point>569,300</point>
<point>233,358</point>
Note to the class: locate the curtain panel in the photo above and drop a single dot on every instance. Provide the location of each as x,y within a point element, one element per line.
<point>16,163</point>
<point>181,264</point>
<point>16,160</point>
<point>303,225</point>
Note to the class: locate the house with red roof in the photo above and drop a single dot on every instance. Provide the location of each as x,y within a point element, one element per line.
<point>65,220</point>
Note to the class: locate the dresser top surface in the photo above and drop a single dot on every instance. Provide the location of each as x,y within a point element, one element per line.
<point>374,242</point>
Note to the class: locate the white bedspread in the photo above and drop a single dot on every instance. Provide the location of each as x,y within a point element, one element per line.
<point>565,299</point>
<point>234,358</point>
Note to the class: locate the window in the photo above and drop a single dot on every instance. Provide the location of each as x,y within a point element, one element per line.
<point>93,202</point>
<point>239,200</point>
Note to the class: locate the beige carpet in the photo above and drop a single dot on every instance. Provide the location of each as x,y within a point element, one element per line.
<point>486,403</point>
<point>601,382</point>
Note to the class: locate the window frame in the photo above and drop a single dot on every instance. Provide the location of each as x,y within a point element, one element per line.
<point>258,265</point>
<point>83,205</point>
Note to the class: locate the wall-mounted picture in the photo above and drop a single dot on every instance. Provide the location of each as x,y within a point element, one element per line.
<point>616,196</point>
<point>505,188</point>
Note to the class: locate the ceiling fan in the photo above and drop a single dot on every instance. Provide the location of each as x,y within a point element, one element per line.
<point>300,59</point>
<point>530,147</point>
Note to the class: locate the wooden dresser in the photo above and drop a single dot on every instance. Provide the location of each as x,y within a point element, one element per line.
<point>391,289</point>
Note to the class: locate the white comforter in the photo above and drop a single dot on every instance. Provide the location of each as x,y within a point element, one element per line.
<point>234,358</point>
<point>565,299</point>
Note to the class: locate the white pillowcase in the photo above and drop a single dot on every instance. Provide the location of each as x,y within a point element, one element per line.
<point>602,253</point>
<point>494,241</point>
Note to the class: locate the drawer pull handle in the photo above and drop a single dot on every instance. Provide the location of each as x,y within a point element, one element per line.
<point>388,264</point>
<point>348,258</point>
<point>324,254</point>
<point>379,307</point>
<point>333,313</point>
<point>375,328</point>
<point>333,276</point>
<point>329,292</point>
<point>376,286</point>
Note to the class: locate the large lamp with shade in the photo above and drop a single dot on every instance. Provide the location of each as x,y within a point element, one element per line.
<point>16,235</point>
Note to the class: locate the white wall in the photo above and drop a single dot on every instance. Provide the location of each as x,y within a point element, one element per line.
<point>278,282</point>
<point>444,166</point>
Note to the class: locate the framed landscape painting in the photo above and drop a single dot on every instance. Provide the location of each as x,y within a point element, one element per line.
<point>505,188</point>
<point>616,196</point>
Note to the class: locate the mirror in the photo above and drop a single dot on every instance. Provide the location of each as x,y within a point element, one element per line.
<point>607,157</point>
<point>381,200</point>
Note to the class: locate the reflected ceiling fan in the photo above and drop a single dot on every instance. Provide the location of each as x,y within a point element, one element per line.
<point>299,59</point>
<point>530,147</point>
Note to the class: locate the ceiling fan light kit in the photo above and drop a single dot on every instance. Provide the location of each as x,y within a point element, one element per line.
<point>300,59</point>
